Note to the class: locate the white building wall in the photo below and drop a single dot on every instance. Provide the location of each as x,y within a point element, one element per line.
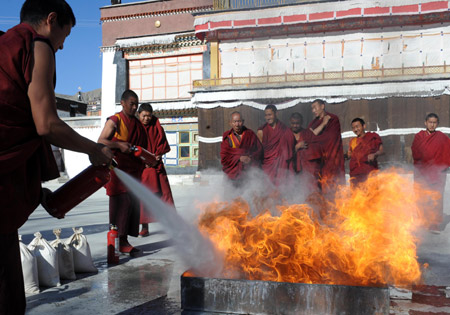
<point>108,86</point>
<point>374,50</point>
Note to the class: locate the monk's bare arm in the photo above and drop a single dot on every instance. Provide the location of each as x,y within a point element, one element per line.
<point>322,126</point>
<point>43,107</point>
<point>107,134</point>
<point>259,134</point>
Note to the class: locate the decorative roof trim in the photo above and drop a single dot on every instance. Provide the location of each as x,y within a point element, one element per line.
<point>159,47</point>
<point>144,15</point>
<point>318,16</point>
<point>177,41</point>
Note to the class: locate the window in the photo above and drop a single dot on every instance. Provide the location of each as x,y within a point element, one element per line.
<point>184,137</point>
<point>195,135</point>
<point>184,152</point>
<point>195,154</point>
<point>165,77</point>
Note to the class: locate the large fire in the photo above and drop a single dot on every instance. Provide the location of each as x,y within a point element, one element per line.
<point>366,237</point>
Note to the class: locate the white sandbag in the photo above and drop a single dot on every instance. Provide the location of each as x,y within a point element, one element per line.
<point>47,261</point>
<point>65,257</point>
<point>82,258</point>
<point>29,269</point>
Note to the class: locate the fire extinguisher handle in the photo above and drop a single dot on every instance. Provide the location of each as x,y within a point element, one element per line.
<point>45,195</point>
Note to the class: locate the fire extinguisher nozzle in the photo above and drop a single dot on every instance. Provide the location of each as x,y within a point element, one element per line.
<point>113,163</point>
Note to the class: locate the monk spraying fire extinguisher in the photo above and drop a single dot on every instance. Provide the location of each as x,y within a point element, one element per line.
<point>72,193</point>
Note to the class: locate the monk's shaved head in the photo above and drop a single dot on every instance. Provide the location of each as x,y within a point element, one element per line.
<point>236,122</point>
<point>236,113</point>
<point>432,115</point>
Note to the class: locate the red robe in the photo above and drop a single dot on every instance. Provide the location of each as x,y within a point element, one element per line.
<point>155,178</point>
<point>329,144</point>
<point>26,159</point>
<point>431,154</point>
<point>360,149</point>
<point>129,129</point>
<point>230,155</point>
<point>278,152</point>
<point>123,207</point>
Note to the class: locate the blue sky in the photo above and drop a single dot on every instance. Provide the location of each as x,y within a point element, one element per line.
<point>79,64</point>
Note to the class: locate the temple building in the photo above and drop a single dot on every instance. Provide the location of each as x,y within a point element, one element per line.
<point>150,47</point>
<point>384,61</point>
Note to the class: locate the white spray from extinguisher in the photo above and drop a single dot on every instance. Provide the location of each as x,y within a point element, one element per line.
<point>196,250</point>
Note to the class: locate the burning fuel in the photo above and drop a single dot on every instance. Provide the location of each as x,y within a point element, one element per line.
<point>366,237</point>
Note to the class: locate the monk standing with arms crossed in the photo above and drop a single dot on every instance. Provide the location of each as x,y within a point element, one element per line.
<point>240,150</point>
<point>431,154</point>
<point>122,131</point>
<point>326,137</point>
<point>274,136</point>
<point>29,123</point>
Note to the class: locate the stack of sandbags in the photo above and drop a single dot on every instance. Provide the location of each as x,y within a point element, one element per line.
<point>29,269</point>
<point>44,264</point>
<point>47,261</point>
<point>65,257</point>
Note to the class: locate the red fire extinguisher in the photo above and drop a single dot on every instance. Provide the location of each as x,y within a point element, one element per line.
<point>113,245</point>
<point>65,198</point>
<point>146,156</point>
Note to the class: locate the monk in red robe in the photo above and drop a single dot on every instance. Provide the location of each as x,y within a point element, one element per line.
<point>274,136</point>
<point>431,154</point>
<point>29,123</point>
<point>326,138</point>
<point>306,157</point>
<point>122,131</point>
<point>154,176</point>
<point>240,150</point>
<point>363,152</point>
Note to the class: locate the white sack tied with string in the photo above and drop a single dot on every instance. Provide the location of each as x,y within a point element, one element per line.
<point>65,257</point>
<point>82,258</point>
<point>29,269</point>
<point>47,261</point>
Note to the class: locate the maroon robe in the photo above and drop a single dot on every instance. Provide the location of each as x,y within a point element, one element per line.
<point>360,148</point>
<point>155,178</point>
<point>329,144</point>
<point>230,156</point>
<point>278,152</point>
<point>123,208</point>
<point>26,159</point>
<point>431,154</point>
<point>306,162</point>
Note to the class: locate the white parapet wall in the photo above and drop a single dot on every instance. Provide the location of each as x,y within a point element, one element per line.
<point>108,85</point>
<point>88,127</point>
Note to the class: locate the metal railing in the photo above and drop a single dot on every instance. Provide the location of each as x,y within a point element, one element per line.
<point>320,76</point>
<point>242,4</point>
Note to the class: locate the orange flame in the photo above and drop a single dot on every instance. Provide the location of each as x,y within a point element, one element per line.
<point>365,238</point>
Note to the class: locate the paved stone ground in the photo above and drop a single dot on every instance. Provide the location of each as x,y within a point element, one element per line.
<point>150,284</point>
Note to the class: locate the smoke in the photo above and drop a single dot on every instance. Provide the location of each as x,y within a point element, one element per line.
<point>197,251</point>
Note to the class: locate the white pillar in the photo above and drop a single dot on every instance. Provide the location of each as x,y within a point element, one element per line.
<point>108,85</point>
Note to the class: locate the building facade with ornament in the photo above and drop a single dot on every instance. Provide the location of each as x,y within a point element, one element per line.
<point>384,61</point>
<point>150,47</point>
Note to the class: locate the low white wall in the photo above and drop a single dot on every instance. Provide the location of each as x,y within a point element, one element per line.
<point>88,127</point>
